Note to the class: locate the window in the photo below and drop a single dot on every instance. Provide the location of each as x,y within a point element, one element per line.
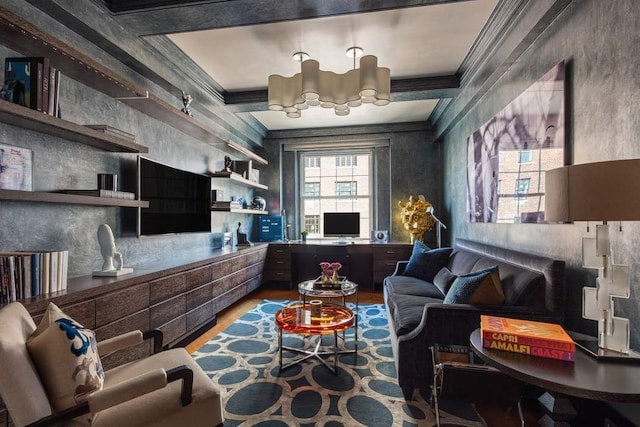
<point>312,189</point>
<point>346,161</point>
<point>312,162</point>
<point>522,189</point>
<point>338,182</point>
<point>312,224</point>
<point>526,156</point>
<point>346,188</point>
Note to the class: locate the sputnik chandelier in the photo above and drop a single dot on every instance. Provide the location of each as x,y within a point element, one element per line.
<point>313,86</point>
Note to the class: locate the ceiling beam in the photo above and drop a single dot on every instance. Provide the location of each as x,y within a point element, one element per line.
<point>154,17</point>
<point>401,90</point>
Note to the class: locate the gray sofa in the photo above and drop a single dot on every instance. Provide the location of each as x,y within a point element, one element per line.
<point>418,318</point>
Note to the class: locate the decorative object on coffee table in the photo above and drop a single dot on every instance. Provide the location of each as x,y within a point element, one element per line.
<point>329,276</point>
<point>113,264</point>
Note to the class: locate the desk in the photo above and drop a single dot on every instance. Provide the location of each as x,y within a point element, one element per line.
<point>586,377</point>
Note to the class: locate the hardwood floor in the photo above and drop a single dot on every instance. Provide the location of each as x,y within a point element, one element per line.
<point>494,415</point>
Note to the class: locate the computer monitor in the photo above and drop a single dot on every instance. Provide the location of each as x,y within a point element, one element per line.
<point>341,224</point>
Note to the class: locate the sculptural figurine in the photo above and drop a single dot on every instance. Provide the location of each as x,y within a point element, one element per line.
<point>242,237</point>
<point>227,163</point>
<point>186,100</point>
<point>415,217</point>
<point>113,264</point>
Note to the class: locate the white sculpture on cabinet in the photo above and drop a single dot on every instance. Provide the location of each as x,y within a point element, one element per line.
<point>113,264</point>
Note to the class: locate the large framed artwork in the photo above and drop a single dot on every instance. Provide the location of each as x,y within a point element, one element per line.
<point>16,168</point>
<point>507,157</point>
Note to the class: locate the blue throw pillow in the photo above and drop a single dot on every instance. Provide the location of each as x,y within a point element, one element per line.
<point>478,288</point>
<point>425,263</point>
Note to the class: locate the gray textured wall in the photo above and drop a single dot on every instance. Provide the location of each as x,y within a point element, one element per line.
<point>410,165</point>
<point>60,164</point>
<point>601,43</point>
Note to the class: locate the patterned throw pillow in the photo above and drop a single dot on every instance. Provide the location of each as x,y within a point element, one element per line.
<point>66,357</point>
<point>425,263</point>
<point>478,288</point>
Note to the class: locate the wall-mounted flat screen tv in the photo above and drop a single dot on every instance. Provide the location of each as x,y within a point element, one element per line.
<point>179,201</point>
<point>341,224</point>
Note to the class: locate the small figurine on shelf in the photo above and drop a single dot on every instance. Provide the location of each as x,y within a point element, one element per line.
<point>186,100</point>
<point>242,237</point>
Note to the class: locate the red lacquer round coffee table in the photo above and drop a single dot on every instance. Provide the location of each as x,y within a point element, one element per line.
<point>297,319</point>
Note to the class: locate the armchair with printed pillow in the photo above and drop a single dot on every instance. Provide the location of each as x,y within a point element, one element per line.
<point>438,295</point>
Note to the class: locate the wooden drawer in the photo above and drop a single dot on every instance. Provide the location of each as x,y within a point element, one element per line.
<point>199,296</point>
<point>278,251</point>
<point>256,257</point>
<point>135,321</point>
<point>200,316</point>
<point>276,275</point>
<point>119,304</point>
<point>392,252</point>
<point>167,287</point>
<point>385,265</point>
<point>199,276</point>
<point>165,311</point>
<point>278,264</point>
<point>221,269</point>
<point>83,313</point>
<point>174,330</point>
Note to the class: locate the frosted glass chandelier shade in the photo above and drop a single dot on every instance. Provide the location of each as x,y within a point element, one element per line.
<point>314,87</point>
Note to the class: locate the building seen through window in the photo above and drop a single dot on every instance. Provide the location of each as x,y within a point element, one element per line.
<point>335,181</point>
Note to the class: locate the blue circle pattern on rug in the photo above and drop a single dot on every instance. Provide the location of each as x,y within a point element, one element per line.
<point>243,360</point>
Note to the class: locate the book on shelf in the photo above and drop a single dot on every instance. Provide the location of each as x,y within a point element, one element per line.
<point>529,332</point>
<point>110,194</point>
<point>54,92</point>
<point>113,131</point>
<point>25,275</point>
<point>25,81</point>
<point>226,204</point>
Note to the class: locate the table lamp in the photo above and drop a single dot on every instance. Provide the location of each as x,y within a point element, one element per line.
<point>602,191</point>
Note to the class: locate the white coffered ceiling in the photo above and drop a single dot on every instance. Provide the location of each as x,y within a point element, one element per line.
<point>414,42</point>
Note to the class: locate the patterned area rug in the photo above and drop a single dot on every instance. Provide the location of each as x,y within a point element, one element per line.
<point>243,360</point>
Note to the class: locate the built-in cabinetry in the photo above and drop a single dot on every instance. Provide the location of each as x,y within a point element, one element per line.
<point>385,257</point>
<point>366,264</point>
<point>178,297</point>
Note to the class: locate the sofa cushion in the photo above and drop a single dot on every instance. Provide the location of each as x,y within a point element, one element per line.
<point>478,288</point>
<point>444,279</point>
<point>425,263</point>
<point>66,357</point>
<point>407,311</point>
<point>406,285</point>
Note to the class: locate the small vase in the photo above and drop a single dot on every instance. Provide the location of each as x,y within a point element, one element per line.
<point>335,278</point>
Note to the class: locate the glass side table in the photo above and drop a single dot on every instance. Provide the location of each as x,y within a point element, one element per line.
<point>309,289</point>
<point>298,319</point>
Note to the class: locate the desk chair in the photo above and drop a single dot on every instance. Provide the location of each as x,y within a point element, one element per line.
<point>472,383</point>
<point>166,388</point>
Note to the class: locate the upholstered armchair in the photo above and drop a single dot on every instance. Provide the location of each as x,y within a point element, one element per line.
<point>166,388</point>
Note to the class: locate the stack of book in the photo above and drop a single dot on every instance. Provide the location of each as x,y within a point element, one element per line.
<point>32,82</point>
<point>29,274</point>
<point>527,337</point>
<point>112,194</point>
<point>226,205</point>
